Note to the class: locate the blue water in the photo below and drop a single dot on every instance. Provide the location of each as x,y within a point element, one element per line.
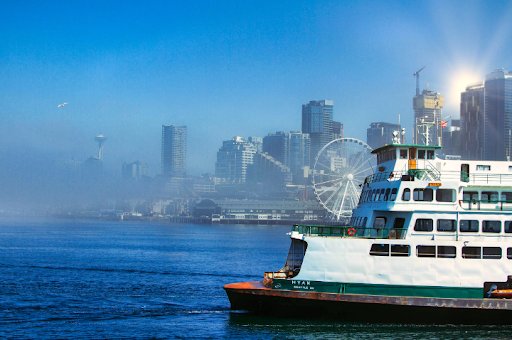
<point>75,279</point>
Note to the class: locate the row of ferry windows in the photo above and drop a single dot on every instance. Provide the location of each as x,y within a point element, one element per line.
<point>441,195</point>
<point>427,195</point>
<point>376,195</point>
<point>419,194</point>
<point>439,251</point>
<point>389,155</point>
<point>465,226</point>
<point>487,196</point>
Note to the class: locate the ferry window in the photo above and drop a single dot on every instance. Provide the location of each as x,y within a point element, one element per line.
<point>468,196</point>
<point>510,168</point>
<point>379,250</point>
<point>445,195</point>
<point>471,252</point>
<point>509,253</point>
<point>489,196</point>
<point>480,167</point>
<point>423,194</point>
<point>400,250</point>
<point>491,226</point>
<point>386,194</point>
<point>406,196</point>
<point>430,154</point>
<point>364,221</point>
<point>446,225</point>
<point>424,224</point>
<point>508,226</point>
<point>468,226</point>
<point>492,253</point>
<point>380,222</point>
<point>374,193</point>
<point>381,196</point>
<point>393,194</point>
<point>403,154</point>
<point>421,154</point>
<point>426,251</point>
<point>506,197</point>
<point>446,251</point>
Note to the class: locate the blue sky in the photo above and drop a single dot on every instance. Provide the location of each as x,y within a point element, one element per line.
<point>226,68</point>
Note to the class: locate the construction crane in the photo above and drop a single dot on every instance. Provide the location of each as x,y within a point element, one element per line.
<point>417,75</point>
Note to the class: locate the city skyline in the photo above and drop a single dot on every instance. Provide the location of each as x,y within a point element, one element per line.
<point>225,69</point>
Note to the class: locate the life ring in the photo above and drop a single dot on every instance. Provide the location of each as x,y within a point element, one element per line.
<point>351,231</point>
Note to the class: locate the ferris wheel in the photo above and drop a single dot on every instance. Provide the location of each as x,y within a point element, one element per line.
<point>339,171</point>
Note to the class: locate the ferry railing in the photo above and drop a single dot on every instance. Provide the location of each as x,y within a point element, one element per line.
<point>348,231</point>
<point>433,174</point>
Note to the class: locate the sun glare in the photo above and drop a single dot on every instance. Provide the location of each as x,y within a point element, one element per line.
<point>457,83</point>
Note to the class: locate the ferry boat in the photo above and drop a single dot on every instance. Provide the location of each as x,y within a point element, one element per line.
<point>429,242</point>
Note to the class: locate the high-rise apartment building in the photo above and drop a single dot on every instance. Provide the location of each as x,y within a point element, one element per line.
<point>317,122</point>
<point>497,144</point>
<point>299,154</point>
<point>291,149</point>
<point>427,107</point>
<point>277,145</point>
<point>134,170</point>
<point>337,130</point>
<point>472,122</point>
<point>233,158</point>
<point>257,142</point>
<point>268,173</point>
<point>174,150</point>
<point>381,133</point>
<point>452,139</point>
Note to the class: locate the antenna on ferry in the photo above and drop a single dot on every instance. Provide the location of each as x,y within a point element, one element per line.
<point>396,137</point>
<point>403,136</point>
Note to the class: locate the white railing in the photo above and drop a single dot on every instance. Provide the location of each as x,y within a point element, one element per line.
<point>433,174</point>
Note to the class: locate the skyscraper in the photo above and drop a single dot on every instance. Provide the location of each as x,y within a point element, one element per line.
<point>257,142</point>
<point>317,122</point>
<point>380,133</point>
<point>337,130</point>
<point>277,145</point>
<point>299,146</point>
<point>427,107</point>
<point>498,116</point>
<point>472,122</point>
<point>174,150</point>
<point>233,158</point>
<point>451,139</point>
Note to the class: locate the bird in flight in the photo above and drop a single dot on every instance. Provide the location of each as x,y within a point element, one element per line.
<point>60,106</point>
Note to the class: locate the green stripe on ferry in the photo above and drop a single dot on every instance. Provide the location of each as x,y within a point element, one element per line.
<point>377,289</point>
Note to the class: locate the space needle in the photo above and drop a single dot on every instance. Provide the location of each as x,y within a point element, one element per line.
<point>100,139</point>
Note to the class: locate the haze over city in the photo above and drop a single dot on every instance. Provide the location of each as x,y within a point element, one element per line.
<point>222,69</point>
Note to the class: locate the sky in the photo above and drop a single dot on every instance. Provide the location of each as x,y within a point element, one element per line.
<point>225,68</point>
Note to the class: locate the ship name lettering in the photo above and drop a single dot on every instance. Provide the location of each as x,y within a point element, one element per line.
<point>302,283</point>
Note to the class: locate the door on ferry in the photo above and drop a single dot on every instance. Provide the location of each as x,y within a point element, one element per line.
<point>398,226</point>
<point>412,158</point>
<point>464,172</point>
